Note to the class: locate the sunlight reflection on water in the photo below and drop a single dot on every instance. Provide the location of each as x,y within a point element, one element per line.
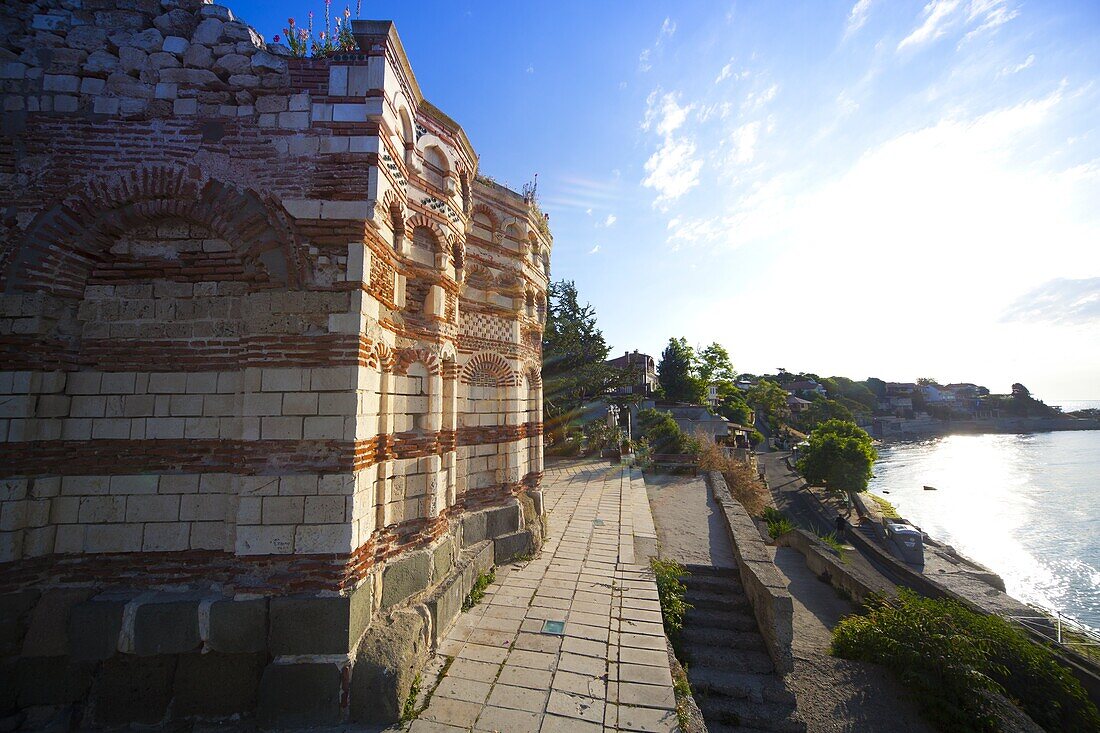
<point>1025,505</point>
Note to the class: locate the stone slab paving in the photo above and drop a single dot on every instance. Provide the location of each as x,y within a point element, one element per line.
<point>608,670</point>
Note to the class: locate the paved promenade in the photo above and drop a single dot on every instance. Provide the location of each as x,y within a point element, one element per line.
<point>608,669</point>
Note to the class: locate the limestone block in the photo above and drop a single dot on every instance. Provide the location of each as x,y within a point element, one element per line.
<point>309,625</point>
<point>337,81</point>
<point>216,11</point>
<point>238,626</point>
<point>233,63</point>
<point>176,22</point>
<point>166,537</point>
<point>185,106</point>
<point>166,628</point>
<point>60,83</point>
<point>443,559</point>
<point>148,40</point>
<point>94,627</point>
<point>52,680</point>
<point>198,56</point>
<point>405,577</point>
<point>133,690</point>
<point>217,684</point>
<point>295,695</point>
<point>266,540</point>
<point>510,546</point>
<point>191,77</point>
<point>209,31</point>
<point>265,61</point>
<point>386,663</point>
<point>113,538</point>
<point>86,37</point>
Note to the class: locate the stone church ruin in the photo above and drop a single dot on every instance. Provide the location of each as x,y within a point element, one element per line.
<point>270,394</point>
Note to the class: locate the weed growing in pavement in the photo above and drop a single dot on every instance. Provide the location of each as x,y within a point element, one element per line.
<point>484,580</point>
<point>671,593</point>
<point>408,710</point>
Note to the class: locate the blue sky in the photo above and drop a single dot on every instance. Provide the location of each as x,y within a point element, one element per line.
<point>871,188</point>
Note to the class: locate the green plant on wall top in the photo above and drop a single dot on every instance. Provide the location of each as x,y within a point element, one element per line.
<point>954,659</point>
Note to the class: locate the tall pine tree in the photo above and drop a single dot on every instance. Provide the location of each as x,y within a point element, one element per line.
<point>574,354</point>
<point>677,373</point>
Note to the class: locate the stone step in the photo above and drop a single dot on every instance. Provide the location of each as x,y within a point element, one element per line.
<point>698,633</point>
<point>706,600</point>
<point>729,660</point>
<point>721,619</point>
<point>742,714</point>
<point>740,685</point>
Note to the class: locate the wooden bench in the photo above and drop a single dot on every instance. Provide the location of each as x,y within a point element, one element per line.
<point>676,460</point>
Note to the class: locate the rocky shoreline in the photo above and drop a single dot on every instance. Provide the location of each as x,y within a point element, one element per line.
<point>938,428</point>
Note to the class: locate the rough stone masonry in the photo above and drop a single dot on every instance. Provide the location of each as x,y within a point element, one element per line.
<point>270,393</point>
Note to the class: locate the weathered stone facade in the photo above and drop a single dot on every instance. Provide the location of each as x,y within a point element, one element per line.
<point>269,390</point>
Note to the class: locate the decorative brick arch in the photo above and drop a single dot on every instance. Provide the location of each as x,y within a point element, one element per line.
<point>64,243</point>
<point>488,212</point>
<point>381,357</point>
<point>443,239</point>
<point>533,374</point>
<point>489,370</point>
<point>407,357</point>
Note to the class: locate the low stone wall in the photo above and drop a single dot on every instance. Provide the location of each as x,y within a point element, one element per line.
<point>824,563</point>
<point>763,584</point>
<point>89,656</point>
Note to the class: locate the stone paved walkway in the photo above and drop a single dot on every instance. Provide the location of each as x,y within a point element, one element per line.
<point>608,670</point>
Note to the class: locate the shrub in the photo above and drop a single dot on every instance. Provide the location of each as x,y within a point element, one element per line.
<point>662,432</point>
<point>671,593</point>
<point>953,658</point>
<point>743,483</point>
<point>778,524</point>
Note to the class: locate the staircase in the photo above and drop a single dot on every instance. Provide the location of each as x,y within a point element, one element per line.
<point>732,676</point>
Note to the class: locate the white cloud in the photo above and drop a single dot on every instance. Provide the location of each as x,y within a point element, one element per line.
<point>1025,64</point>
<point>725,73</point>
<point>990,13</point>
<point>664,112</point>
<point>668,28</point>
<point>744,140</point>
<point>594,250</point>
<point>611,219</point>
<point>858,17</point>
<point>673,170</point>
<point>588,212</point>
<point>755,100</point>
<point>530,69</point>
<point>936,14</point>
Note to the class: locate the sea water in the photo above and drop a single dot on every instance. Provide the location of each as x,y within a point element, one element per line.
<point>1027,506</point>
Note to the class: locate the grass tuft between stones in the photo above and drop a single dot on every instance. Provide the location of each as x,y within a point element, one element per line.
<point>477,593</point>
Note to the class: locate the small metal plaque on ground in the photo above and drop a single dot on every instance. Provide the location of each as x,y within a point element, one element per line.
<point>557,628</point>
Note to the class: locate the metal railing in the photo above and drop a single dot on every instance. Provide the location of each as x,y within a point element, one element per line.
<point>1060,629</point>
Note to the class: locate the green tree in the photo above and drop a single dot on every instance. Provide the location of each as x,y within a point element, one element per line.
<point>770,400</point>
<point>876,386</point>
<point>574,353</point>
<point>663,434</point>
<point>823,410</point>
<point>677,374</point>
<point>839,456</point>
<point>715,365</point>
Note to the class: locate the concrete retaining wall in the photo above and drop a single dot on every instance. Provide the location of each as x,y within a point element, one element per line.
<point>824,562</point>
<point>764,586</point>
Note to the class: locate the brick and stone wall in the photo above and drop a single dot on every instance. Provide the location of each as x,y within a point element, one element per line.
<point>269,367</point>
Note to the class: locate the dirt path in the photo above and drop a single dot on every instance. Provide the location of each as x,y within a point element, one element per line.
<point>689,528</point>
<point>833,694</point>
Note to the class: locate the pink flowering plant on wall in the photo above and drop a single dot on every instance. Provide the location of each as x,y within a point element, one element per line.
<point>335,37</point>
